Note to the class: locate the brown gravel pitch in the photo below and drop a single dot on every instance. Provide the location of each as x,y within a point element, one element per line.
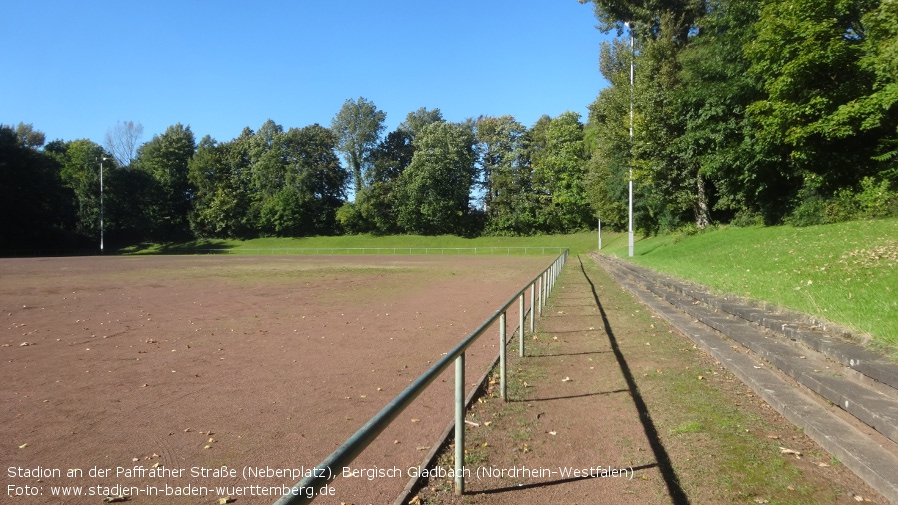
<point>192,363</point>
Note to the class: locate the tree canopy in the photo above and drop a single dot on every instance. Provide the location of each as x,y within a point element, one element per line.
<point>742,112</point>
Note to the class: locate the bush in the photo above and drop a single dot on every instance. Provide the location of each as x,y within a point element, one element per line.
<point>874,200</point>
<point>351,220</point>
<point>877,200</point>
<point>747,219</point>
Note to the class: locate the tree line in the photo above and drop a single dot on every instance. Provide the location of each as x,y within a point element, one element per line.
<point>743,112</point>
<point>746,111</point>
<point>428,176</point>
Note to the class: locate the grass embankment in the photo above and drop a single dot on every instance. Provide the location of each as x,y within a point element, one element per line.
<point>846,273</point>
<point>578,243</point>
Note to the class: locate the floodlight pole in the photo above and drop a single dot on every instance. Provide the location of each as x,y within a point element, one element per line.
<point>102,159</point>
<point>632,57</point>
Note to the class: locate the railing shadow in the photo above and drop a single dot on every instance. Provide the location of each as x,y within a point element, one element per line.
<point>584,395</point>
<point>537,485</point>
<point>677,495</point>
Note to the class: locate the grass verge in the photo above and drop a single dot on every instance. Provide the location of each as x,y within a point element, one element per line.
<point>578,243</point>
<point>846,273</point>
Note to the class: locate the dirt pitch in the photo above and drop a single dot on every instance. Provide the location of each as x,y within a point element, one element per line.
<point>178,365</point>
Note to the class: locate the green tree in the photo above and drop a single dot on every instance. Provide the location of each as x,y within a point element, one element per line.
<point>375,208</point>
<point>29,137</point>
<point>295,180</point>
<point>433,194</point>
<point>416,120</point>
<point>220,172</point>
<point>79,162</point>
<point>710,104</point>
<point>875,112</point>
<point>558,175</point>
<point>165,158</point>
<point>806,56</point>
<point>607,138</point>
<point>358,126</point>
<point>39,208</point>
<point>504,179</point>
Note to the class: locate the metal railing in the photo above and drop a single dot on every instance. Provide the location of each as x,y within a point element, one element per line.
<point>308,488</point>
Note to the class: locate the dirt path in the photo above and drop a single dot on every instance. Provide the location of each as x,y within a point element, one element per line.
<point>611,391</point>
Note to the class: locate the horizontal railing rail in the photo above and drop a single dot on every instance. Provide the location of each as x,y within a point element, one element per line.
<point>308,488</point>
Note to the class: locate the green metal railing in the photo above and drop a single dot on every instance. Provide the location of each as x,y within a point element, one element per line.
<point>306,489</point>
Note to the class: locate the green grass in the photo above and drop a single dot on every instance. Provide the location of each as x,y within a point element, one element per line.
<point>846,273</point>
<point>578,243</point>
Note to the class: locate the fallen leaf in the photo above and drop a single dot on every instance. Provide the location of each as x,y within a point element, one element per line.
<point>23,446</point>
<point>784,450</point>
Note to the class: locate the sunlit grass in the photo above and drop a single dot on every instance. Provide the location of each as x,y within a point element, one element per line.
<point>578,243</point>
<point>846,273</point>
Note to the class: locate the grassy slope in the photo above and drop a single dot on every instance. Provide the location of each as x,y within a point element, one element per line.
<point>846,273</point>
<point>578,243</point>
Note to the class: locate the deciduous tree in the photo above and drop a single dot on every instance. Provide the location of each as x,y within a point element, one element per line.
<point>358,127</point>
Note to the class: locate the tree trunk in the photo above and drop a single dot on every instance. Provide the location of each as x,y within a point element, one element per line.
<point>700,206</point>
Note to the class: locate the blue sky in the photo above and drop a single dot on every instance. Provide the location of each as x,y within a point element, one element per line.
<point>75,68</point>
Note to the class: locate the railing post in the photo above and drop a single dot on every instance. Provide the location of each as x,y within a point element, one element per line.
<point>460,424</point>
<point>521,323</point>
<point>532,306</point>
<point>540,301</point>
<point>503,390</point>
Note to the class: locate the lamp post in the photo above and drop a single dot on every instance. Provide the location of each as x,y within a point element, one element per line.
<point>102,159</point>
<point>632,57</point>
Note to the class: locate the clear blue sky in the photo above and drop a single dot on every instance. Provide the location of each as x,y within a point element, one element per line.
<point>75,68</point>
